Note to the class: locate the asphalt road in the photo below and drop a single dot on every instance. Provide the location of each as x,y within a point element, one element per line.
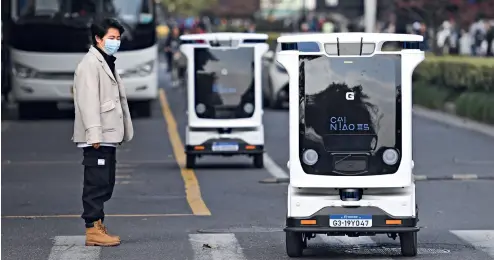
<point>221,210</point>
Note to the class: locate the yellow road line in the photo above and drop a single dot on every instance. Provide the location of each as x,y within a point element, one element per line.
<point>192,189</point>
<point>107,215</point>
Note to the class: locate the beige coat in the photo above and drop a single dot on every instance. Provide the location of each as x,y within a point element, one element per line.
<point>101,110</point>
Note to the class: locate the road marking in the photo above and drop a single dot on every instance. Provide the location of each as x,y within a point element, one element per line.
<point>192,189</point>
<point>420,177</point>
<point>216,247</point>
<point>122,182</point>
<point>481,239</point>
<point>123,176</point>
<point>107,215</point>
<point>73,248</point>
<point>127,164</point>
<point>273,168</point>
<point>125,170</point>
<point>465,176</point>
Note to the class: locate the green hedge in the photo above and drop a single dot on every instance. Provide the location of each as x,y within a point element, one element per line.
<point>465,82</point>
<point>457,73</point>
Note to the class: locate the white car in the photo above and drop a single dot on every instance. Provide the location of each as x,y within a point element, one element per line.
<point>276,89</point>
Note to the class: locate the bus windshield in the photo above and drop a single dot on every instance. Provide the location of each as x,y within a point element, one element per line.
<point>129,11</point>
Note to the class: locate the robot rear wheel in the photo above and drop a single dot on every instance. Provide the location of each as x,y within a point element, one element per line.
<point>295,242</point>
<point>408,243</point>
<point>190,161</point>
<point>259,160</point>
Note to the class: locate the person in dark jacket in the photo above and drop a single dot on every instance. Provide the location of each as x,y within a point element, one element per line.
<point>171,46</point>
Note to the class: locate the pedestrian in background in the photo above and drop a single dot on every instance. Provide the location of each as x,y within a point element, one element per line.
<point>102,122</point>
<point>172,45</point>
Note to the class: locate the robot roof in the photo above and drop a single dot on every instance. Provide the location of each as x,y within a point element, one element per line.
<point>224,36</point>
<point>350,37</point>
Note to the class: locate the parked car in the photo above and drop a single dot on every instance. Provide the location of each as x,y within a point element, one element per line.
<point>276,89</point>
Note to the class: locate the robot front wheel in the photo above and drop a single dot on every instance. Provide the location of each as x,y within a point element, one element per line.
<point>296,242</point>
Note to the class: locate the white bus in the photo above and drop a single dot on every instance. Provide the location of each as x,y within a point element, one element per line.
<point>50,37</point>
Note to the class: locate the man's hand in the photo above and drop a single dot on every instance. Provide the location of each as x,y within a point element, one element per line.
<point>96,146</point>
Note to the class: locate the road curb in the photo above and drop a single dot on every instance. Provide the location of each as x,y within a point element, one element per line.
<point>454,120</point>
<point>454,177</point>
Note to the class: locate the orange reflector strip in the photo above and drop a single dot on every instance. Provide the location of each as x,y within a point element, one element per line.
<point>200,147</point>
<point>308,222</point>
<point>250,147</point>
<point>393,222</point>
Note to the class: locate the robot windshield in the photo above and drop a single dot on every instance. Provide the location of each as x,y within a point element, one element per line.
<point>350,113</point>
<point>224,83</point>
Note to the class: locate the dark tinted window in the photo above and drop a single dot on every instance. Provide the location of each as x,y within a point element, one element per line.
<point>224,82</point>
<point>49,19</point>
<point>350,105</point>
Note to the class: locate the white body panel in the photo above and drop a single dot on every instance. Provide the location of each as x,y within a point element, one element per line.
<point>188,51</point>
<point>55,74</point>
<point>410,59</point>
<point>397,202</point>
<point>252,136</point>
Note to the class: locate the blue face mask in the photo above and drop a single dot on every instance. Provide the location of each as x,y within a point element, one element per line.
<point>111,46</point>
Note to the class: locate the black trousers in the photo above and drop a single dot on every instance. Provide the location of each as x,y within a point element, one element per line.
<point>99,181</point>
<point>169,60</point>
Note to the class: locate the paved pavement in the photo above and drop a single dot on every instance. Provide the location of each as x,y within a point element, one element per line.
<point>221,210</point>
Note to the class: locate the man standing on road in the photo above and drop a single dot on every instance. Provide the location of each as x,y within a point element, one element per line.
<point>102,122</point>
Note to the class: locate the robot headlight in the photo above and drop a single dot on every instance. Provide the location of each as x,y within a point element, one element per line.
<point>390,156</point>
<point>310,157</point>
<point>200,108</point>
<point>248,108</point>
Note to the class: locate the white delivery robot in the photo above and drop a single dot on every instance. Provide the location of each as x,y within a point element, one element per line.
<point>224,95</point>
<point>350,137</point>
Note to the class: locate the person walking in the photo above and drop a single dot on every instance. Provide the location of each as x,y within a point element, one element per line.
<point>172,44</point>
<point>102,122</point>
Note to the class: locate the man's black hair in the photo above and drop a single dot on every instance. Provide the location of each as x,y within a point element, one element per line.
<point>100,28</point>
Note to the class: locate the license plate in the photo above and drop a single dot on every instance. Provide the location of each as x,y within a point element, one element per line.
<point>350,221</point>
<point>225,147</point>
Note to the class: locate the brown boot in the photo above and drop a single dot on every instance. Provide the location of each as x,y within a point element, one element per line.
<point>96,236</point>
<point>106,230</point>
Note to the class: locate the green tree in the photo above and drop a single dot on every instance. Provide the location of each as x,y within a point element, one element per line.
<point>188,7</point>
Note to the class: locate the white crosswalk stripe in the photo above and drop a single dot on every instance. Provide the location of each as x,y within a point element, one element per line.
<point>350,241</point>
<point>227,246</point>
<point>480,239</point>
<point>216,247</point>
<point>73,248</point>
